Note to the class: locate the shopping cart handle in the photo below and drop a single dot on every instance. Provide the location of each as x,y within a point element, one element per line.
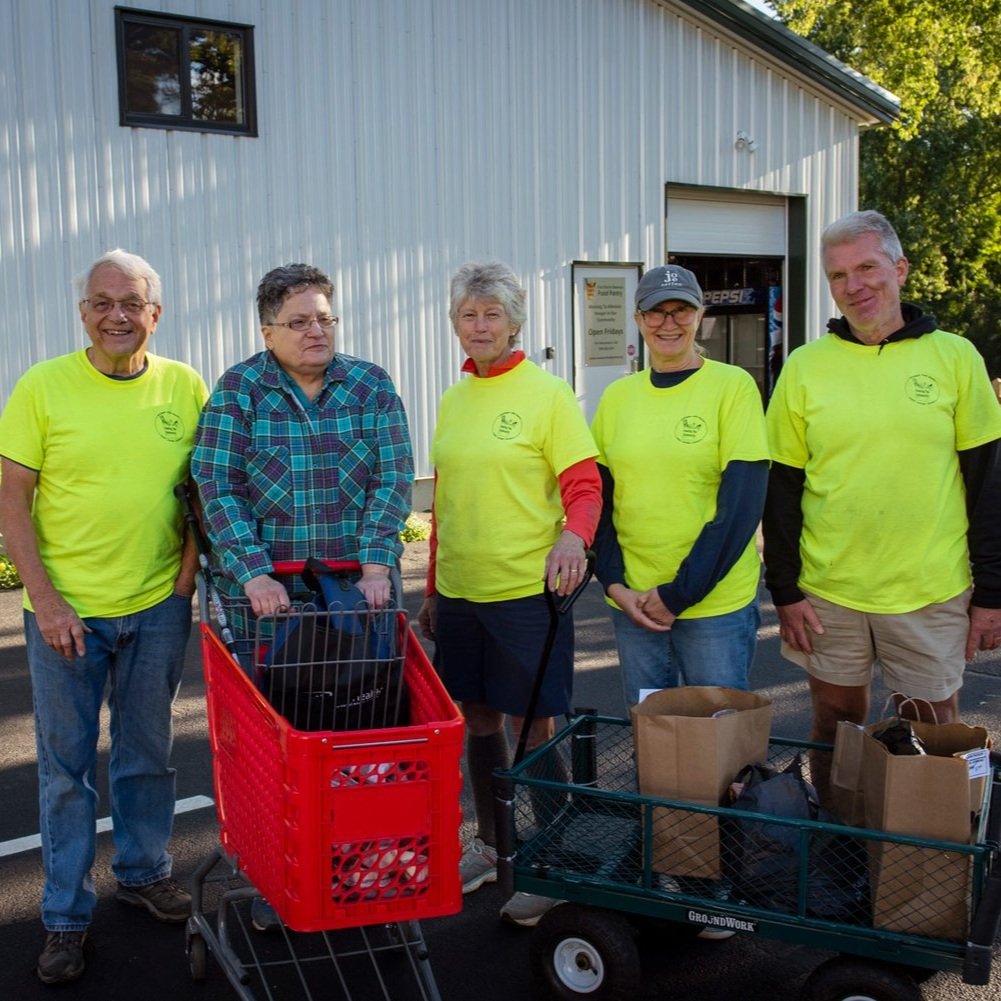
<point>183,494</point>
<point>292,567</point>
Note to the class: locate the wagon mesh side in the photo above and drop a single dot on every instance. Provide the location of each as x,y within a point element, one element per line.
<point>593,836</point>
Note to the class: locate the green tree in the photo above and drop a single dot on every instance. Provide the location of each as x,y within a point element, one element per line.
<point>936,174</point>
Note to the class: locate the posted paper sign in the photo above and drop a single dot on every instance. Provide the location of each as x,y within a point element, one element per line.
<point>605,321</point>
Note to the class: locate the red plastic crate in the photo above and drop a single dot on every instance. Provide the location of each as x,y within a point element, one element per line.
<point>339,829</point>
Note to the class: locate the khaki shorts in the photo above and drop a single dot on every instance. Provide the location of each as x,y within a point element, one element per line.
<point>922,653</point>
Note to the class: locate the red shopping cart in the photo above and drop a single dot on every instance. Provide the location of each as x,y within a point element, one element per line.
<point>338,830</point>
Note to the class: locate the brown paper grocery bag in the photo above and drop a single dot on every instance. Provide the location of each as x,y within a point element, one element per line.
<point>924,795</point>
<point>684,752</point>
<point>926,890</point>
<point>846,775</point>
<point>919,890</point>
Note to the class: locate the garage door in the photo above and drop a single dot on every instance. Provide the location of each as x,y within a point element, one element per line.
<point>709,221</point>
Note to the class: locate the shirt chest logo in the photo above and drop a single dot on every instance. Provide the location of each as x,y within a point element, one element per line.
<point>922,389</point>
<point>169,426</point>
<point>507,426</point>
<point>690,430</point>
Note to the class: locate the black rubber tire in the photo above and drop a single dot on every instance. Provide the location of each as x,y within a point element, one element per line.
<point>919,974</point>
<point>584,952</point>
<point>197,956</point>
<point>851,979</point>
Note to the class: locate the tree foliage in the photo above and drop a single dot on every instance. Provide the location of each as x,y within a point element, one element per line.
<point>936,174</point>
<point>215,58</point>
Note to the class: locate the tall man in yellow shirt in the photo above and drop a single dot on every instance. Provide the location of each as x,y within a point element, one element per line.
<point>885,488</point>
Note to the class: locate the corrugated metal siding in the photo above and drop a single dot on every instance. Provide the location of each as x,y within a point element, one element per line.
<point>398,138</point>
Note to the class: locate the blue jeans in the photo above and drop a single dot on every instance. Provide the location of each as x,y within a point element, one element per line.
<point>139,658</point>
<point>716,650</point>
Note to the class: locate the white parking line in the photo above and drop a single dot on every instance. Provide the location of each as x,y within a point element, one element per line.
<point>33,841</point>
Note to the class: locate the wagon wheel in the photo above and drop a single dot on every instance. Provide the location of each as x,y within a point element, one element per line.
<point>583,952</point>
<point>851,979</point>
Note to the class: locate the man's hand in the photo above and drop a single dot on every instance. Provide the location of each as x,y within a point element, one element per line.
<point>798,623</point>
<point>60,626</point>
<point>266,595</point>
<point>56,619</point>
<point>629,601</point>
<point>985,630</point>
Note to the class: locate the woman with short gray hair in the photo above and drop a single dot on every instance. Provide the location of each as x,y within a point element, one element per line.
<point>517,500</point>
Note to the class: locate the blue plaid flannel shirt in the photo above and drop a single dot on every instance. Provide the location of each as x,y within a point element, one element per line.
<point>282,480</point>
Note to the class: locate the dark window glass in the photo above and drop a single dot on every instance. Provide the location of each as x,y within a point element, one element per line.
<point>180,73</point>
<point>216,68</point>
<point>152,70</point>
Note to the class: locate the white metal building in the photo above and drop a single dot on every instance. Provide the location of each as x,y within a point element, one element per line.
<point>388,141</point>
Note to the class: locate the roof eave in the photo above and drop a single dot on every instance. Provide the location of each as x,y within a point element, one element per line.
<point>773,37</point>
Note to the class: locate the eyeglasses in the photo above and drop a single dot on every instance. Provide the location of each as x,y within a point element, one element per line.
<point>680,315</point>
<point>301,323</point>
<point>131,307</point>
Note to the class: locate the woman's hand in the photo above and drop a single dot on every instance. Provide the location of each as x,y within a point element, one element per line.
<point>374,585</point>
<point>427,617</point>
<point>629,601</point>
<point>566,563</point>
<point>653,608</point>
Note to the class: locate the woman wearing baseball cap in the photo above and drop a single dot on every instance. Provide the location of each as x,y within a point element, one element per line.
<point>683,456</point>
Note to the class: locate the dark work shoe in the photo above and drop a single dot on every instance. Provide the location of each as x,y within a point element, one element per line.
<point>165,900</point>
<point>61,959</point>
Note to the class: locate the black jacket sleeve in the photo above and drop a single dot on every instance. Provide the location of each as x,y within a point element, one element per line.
<point>981,468</point>
<point>739,501</point>
<point>609,565</point>
<point>782,526</point>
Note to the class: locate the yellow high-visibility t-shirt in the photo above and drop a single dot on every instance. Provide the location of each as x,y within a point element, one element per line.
<point>876,429</point>
<point>499,446</point>
<point>666,449</point>
<point>109,453</point>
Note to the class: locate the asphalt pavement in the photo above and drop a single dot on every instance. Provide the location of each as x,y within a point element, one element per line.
<point>473,955</point>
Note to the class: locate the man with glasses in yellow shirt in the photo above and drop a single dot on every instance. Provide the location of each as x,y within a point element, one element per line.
<point>93,444</point>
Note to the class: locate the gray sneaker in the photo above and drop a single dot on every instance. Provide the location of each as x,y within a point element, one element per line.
<point>477,866</point>
<point>165,899</point>
<point>61,959</point>
<point>526,909</point>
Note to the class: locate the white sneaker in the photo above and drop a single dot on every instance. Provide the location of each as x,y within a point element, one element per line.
<point>477,866</point>
<point>526,909</point>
